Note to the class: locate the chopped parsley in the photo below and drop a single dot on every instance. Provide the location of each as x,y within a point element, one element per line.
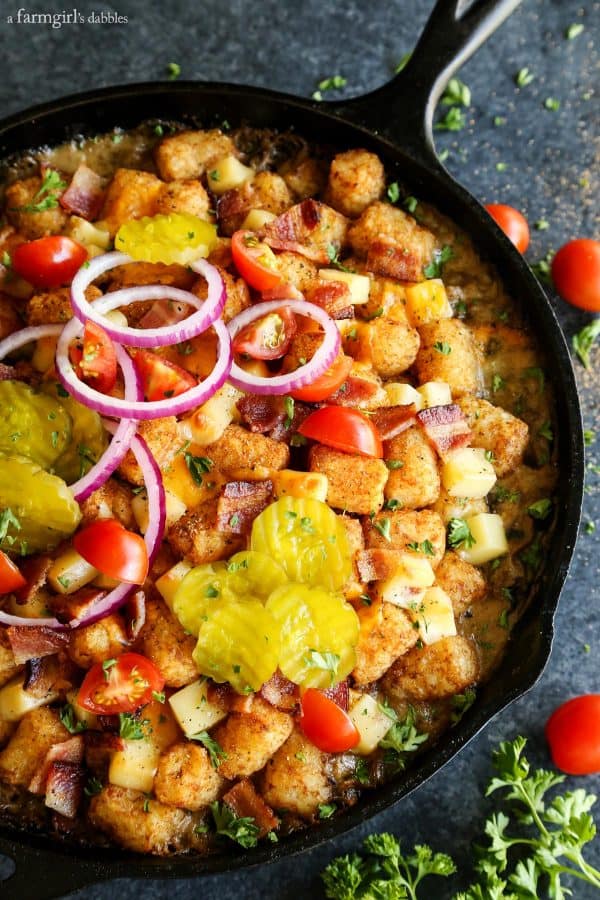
<point>288,403</point>
<point>443,347</point>
<point>541,269</point>
<point>46,197</point>
<point>425,547</point>
<point>502,493</point>
<point>130,728</point>
<point>173,71</point>
<point>211,592</point>
<point>459,534</point>
<point>574,30</point>
<point>541,509</point>
<point>393,192</point>
<point>542,224</point>
<point>362,771</point>
<point>383,526</point>
<point>411,203</point>
<point>333,83</point>
<point>197,466</point>
<point>454,120</point>
<point>461,703</point>
<point>159,696</point>
<point>401,739</point>
<point>107,664</point>
<point>524,77</point>
<point>8,518</point>
<point>326,810</point>
<point>456,94</point>
<point>546,431</point>
<point>92,787</point>
<point>590,527</point>
<point>499,121</point>
<point>307,525</point>
<point>552,104</point>
<point>498,383</point>
<point>326,661</point>
<point>333,257</point>
<point>215,751</point>
<point>440,257</point>
<point>501,167</point>
<point>70,721</point>
<point>392,503</point>
<point>589,437</point>
<point>583,341</point>
<point>403,62</point>
<point>243,830</point>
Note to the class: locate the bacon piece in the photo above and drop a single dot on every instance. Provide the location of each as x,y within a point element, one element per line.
<point>49,675</point>
<point>310,228</point>
<point>243,799</point>
<point>73,606</point>
<point>279,691</point>
<point>7,373</point>
<point>35,571</point>
<point>240,503</point>
<point>392,420</point>
<point>376,563</point>
<point>85,194</point>
<point>445,427</point>
<point>332,296</point>
<point>135,614</point>
<point>33,643</point>
<point>340,694</point>
<point>261,414</point>
<point>355,391</point>
<point>64,788</point>
<point>389,259</point>
<point>283,291</point>
<point>224,695</point>
<point>164,312</point>
<point>70,751</point>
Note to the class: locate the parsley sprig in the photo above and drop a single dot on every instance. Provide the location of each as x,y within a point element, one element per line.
<point>47,196</point>
<point>583,341</point>
<point>243,830</point>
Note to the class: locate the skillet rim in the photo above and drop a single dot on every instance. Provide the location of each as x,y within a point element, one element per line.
<point>95,864</point>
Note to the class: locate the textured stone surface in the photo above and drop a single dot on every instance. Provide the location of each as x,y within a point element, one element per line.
<point>549,159</point>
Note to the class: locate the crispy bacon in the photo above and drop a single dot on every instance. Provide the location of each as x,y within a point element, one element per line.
<point>392,420</point>
<point>279,691</point>
<point>70,751</point>
<point>73,606</point>
<point>164,312</point>
<point>85,194</point>
<point>135,614</point>
<point>340,694</point>
<point>64,788</point>
<point>283,291</point>
<point>355,391</point>
<point>445,427</point>
<point>49,675</point>
<point>376,563</point>
<point>240,503</point>
<point>35,571</point>
<point>261,414</point>
<point>33,643</point>
<point>387,258</point>
<point>310,228</point>
<point>243,799</point>
<point>332,296</point>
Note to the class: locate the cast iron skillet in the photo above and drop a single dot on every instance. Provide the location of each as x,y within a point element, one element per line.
<point>396,122</point>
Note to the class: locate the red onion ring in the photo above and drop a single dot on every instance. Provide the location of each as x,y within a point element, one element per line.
<point>26,336</point>
<point>121,441</point>
<point>306,374</point>
<point>141,409</point>
<point>207,310</point>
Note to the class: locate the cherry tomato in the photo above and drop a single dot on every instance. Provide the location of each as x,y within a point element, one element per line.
<point>49,261</point>
<point>116,552</point>
<point>120,685</point>
<point>576,273</point>
<point>96,360</point>
<point>255,261</point>
<point>327,383</point>
<point>10,577</point>
<point>326,724</point>
<point>573,733</point>
<point>512,222</point>
<point>268,337</point>
<point>161,378</point>
<point>344,429</point>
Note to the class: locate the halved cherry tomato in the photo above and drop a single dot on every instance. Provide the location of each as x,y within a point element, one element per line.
<point>268,337</point>
<point>327,383</point>
<point>49,261</point>
<point>512,222</point>
<point>10,577</point>
<point>116,552</point>
<point>573,733</point>
<point>576,273</point>
<point>161,378</point>
<point>120,685</point>
<point>326,724</point>
<point>344,429</point>
<point>255,261</point>
<point>95,360</point>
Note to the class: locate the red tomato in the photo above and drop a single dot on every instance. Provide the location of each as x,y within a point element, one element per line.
<point>512,222</point>
<point>95,361</point>
<point>344,429</point>
<point>255,261</point>
<point>325,724</point>
<point>327,383</point>
<point>10,577</point>
<point>161,378</point>
<point>49,261</point>
<point>116,552</point>
<point>268,337</point>
<point>576,273</point>
<point>573,733</point>
<point>120,685</point>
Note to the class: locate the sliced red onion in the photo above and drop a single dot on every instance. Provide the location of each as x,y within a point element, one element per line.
<point>157,516</point>
<point>140,409</point>
<point>118,447</point>
<point>26,336</point>
<point>207,310</point>
<point>306,374</point>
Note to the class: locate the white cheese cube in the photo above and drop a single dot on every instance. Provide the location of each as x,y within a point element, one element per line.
<point>82,715</point>
<point>403,394</point>
<point>193,710</point>
<point>358,285</point>
<point>287,482</point>
<point>412,575</point>
<point>168,583</point>
<point>434,616</point>
<point>211,419</point>
<point>228,173</point>
<point>175,509</point>
<point>435,393</point>
<point>467,473</point>
<point>134,766</point>
<point>15,701</point>
<point>69,572</point>
<point>257,219</point>
<point>371,723</point>
<point>489,537</point>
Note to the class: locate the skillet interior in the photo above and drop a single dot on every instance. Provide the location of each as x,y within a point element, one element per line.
<point>44,870</point>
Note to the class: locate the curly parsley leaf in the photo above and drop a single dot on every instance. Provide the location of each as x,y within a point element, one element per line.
<point>130,728</point>
<point>197,466</point>
<point>70,721</point>
<point>243,830</point>
<point>583,341</point>
<point>215,751</point>
<point>459,534</point>
<point>434,269</point>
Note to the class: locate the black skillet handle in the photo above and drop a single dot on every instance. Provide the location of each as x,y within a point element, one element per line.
<point>40,875</point>
<point>402,109</point>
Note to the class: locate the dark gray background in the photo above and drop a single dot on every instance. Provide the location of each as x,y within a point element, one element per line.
<point>549,173</point>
